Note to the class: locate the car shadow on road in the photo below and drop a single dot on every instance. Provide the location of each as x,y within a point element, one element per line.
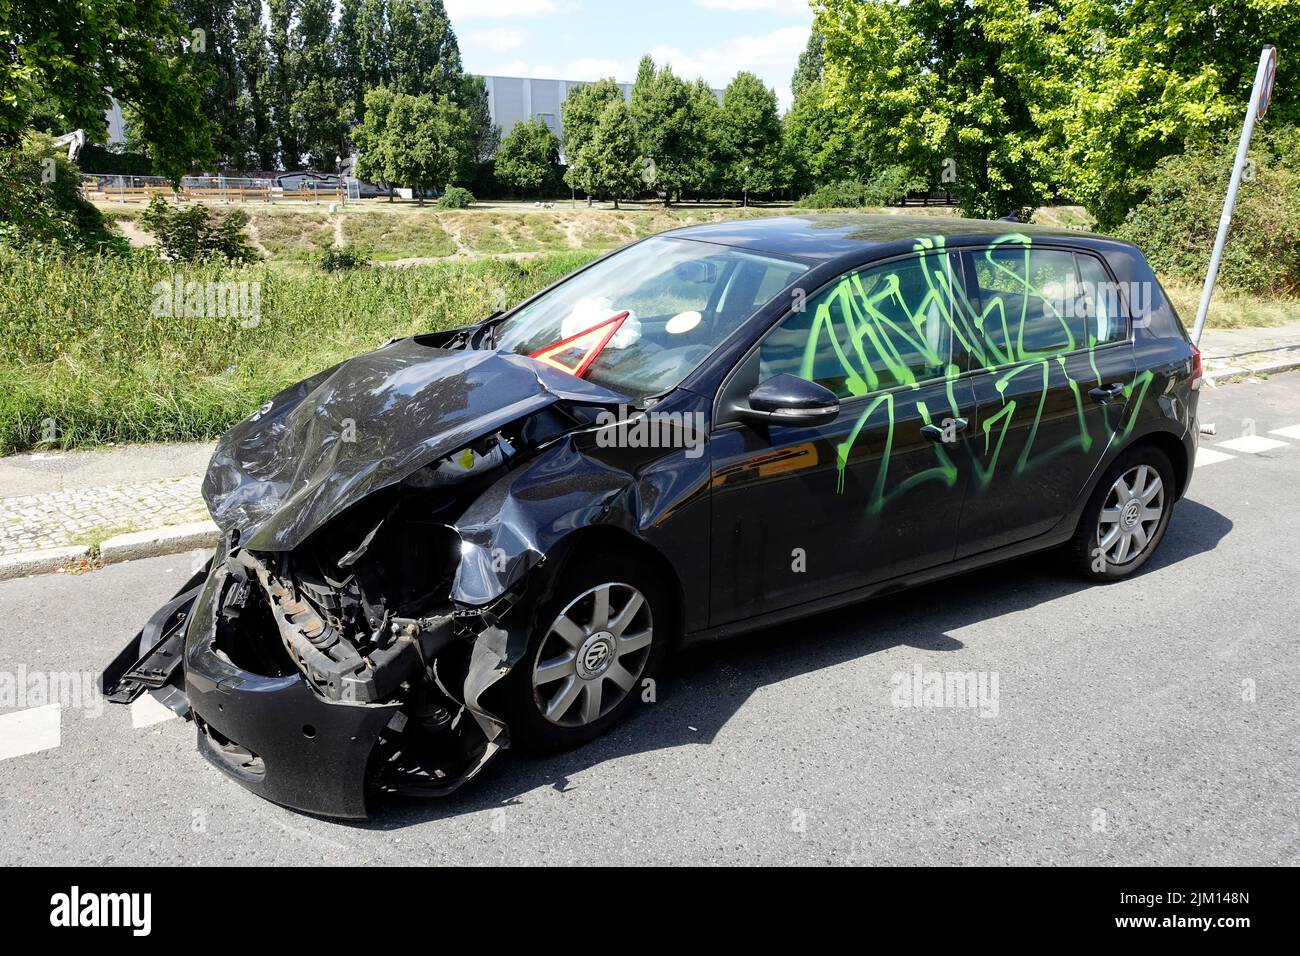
<point>708,683</point>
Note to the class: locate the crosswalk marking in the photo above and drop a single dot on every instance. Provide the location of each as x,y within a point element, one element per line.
<point>1208,456</point>
<point>1291,431</point>
<point>30,731</point>
<point>1252,444</point>
<point>147,711</point>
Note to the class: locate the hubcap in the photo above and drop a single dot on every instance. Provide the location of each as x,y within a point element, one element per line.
<point>592,655</point>
<point>1130,514</point>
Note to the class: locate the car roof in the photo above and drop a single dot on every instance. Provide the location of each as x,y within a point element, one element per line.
<point>826,237</point>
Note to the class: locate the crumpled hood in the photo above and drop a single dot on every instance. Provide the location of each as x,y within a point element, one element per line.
<point>331,440</point>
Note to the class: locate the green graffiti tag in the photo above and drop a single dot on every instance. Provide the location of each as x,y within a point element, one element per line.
<point>877,341</point>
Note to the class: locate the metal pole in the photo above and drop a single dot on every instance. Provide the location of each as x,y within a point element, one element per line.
<point>1263,73</point>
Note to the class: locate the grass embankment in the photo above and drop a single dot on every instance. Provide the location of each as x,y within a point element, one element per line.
<point>84,357</point>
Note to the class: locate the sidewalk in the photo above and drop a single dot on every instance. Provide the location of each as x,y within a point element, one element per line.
<point>70,509</point>
<point>67,509</point>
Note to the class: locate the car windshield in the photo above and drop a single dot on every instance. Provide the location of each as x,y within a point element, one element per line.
<point>638,321</point>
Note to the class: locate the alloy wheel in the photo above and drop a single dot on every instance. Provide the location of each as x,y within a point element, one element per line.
<point>592,655</point>
<point>1130,514</point>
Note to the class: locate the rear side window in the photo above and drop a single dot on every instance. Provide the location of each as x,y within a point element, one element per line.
<point>1104,320</point>
<point>872,329</point>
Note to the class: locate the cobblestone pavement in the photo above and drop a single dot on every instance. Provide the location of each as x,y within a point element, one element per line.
<point>88,515</point>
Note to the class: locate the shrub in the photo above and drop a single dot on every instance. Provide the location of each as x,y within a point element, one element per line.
<point>1176,224</point>
<point>342,259</point>
<point>40,201</point>
<point>456,197</point>
<point>196,233</point>
<point>889,185</point>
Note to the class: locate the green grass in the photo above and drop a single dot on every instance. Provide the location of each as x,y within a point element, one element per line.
<point>80,346</point>
<point>292,235</point>
<point>387,237</point>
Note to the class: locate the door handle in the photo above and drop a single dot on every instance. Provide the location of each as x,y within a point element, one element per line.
<point>1104,393</point>
<point>948,427</point>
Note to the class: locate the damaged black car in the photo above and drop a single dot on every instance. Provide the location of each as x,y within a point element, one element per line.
<point>493,536</point>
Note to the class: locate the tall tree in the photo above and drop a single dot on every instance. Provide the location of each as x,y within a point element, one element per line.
<point>74,54</point>
<point>319,101</point>
<point>529,157</point>
<point>610,162</point>
<point>943,87</point>
<point>283,80</point>
<point>253,62</point>
<point>749,132</point>
<point>415,141</point>
<point>671,127</point>
<point>423,55</point>
<point>217,47</point>
<point>579,113</point>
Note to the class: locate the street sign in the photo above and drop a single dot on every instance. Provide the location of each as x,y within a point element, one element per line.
<point>1266,89</point>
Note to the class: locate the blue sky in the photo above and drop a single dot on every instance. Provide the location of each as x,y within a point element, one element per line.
<point>588,39</point>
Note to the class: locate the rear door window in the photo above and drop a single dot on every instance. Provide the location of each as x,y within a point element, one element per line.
<point>1025,302</point>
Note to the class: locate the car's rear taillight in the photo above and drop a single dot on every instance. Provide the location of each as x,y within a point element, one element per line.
<point>1196,368</point>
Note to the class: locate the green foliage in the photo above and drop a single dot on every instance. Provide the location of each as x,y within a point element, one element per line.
<point>196,233</point>
<point>455,197</point>
<point>1177,222</point>
<point>112,369</point>
<point>888,186</point>
<point>941,85</point>
<point>412,141</point>
<point>71,54</point>
<point>672,123</point>
<point>40,202</point>
<point>601,142</point>
<point>342,259</point>
<point>750,149</point>
<point>529,157</point>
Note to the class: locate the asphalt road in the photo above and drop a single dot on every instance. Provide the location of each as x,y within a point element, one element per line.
<point>1155,721</point>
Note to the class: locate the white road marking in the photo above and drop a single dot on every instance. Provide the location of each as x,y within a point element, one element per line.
<point>1252,444</point>
<point>30,731</point>
<point>1292,431</point>
<point>146,711</point>
<point>1208,456</point>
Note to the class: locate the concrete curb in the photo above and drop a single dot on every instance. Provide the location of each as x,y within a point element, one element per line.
<point>41,562</point>
<point>159,541</point>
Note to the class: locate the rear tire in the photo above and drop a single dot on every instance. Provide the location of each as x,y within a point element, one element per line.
<point>1126,518</point>
<point>602,634</point>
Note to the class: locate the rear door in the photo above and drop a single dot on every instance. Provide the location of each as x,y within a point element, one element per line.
<point>802,513</point>
<point>1046,345</point>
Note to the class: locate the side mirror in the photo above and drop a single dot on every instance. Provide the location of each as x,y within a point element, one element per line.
<point>790,400</point>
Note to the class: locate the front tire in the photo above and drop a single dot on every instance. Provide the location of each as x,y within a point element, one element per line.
<point>1127,516</point>
<point>601,635</point>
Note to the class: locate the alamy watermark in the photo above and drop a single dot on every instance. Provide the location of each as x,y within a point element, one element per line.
<point>960,690</point>
<point>178,299</point>
<point>651,429</point>
<point>73,690</point>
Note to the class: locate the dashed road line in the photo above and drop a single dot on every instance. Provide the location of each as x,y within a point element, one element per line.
<point>30,731</point>
<point>1252,444</point>
<point>147,711</point>
<point>1208,456</point>
<point>1291,431</point>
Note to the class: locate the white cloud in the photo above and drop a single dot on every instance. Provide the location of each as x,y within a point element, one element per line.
<point>495,39</point>
<point>790,7</point>
<point>772,56</point>
<point>462,10</point>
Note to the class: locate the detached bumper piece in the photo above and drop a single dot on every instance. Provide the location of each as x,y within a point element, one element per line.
<point>151,661</point>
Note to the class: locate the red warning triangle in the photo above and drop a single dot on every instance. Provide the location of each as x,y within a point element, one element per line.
<point>592,341</point>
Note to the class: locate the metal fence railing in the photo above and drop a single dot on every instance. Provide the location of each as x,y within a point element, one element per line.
<point>215,189</point>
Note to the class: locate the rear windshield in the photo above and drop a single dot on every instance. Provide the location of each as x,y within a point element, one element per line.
<point>640,320</point>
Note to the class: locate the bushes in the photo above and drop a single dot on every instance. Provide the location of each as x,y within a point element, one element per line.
<point>342,259</point>
<point>1176,224</point>
<point>196,233</point>
<point>456,197</point>
<point>84,346</point>
<point>40,202</point>
<point>889,185</point>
